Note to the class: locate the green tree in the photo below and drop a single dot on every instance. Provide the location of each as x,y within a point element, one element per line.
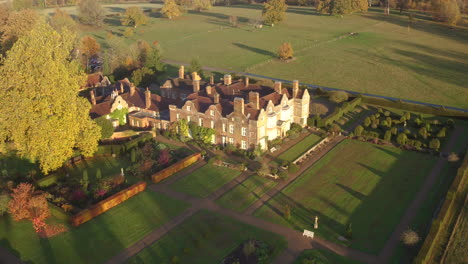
<point>388,136</point>
<point>45,123</point>
<point>434,144</point>
<point>153,61</point>
<point>90,12</point>
<point>274,11</point>
<point>441,133</point>
<point>423,132</point>
<point>4,200</point>
<point>143,77</point>
<point>367,122</point>
<point>170,9</point>
<point>195,66</point>
<point>107,129</point>
<point>62,20</point>
<point>134,17</point>
<point>338,96</point>
<point>358,130</point>
<point>402,138</point>
<point>394,130</point>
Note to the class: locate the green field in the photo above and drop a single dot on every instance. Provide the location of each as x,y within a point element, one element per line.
<point>318,256</point>
<point>205,180</point>
<point>458,249</point>
<point>360,183</point>
<point>95,241</point>
<point>425,62</point>
<point>297,150</point>
<point>205,238</point>
<point>246,193</point>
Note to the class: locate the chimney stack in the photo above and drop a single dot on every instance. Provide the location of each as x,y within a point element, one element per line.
<point>216,98</point>
<point>247,81</point>
<point>227,79</point>
<point>295,89</point>
<point>278,87</point>
<point>196,86</point>
<point>254,98</point>
<point>147,98</point>
<point>208,90</point>
<point>212,80</point>
<point>239,105</point>
<point>122,88</point>
<point>132,89</point>
<point>181,72</point>
<point>93,98</point>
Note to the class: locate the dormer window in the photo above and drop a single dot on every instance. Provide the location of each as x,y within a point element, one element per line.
<point>211,112</point>
<point>189,108</point>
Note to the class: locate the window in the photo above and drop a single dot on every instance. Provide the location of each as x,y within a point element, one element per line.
<point>188,118</point>
<point>244,144</point>
<point>212,124</point>
<point>211,112</point>
<point>177,116</point>
<point>244,131</point>
<point>224,127</point>
<point>189,108</point>
<point>231,140</point>
<point>200,122</point>
<point>231,129</point>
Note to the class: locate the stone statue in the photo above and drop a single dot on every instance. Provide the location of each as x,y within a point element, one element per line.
<point>316,222</point>
<point>122,172</point>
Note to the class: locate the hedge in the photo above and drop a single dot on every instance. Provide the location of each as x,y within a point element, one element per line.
<point>135,142</point>
<point>426,109</point>
<point>109,149</point>
<point>47,181</point>
<point>450,208</point>
<point>182,164</point>
<point>103,206</point>
<point>339,112</point>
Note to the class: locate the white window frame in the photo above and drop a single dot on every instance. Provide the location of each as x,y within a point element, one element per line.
<point>231,129</point>
<point>244,131</point>
<point>177,116</point>
<point>212,113</point>
<point>231,141</point>
<point>224,127</point>
<point>212,124</point>
<point>200,122</point>
<point>189,108</point>
<point>244,144</point>
<point>188,118</point>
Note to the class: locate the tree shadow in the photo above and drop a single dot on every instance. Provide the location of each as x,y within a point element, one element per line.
<point>114,9</point>
<point>354,193</point>
<point>112,21</point>
<point>255,50</point>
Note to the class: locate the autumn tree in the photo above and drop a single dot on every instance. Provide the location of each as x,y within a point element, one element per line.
<point>170,9</point>
<point>446,11</point>
<point>200,5</point>
<point>134,17</point>
<point>41,112</point>
<point>144,49</point>
<point>285,51</point>
<point>274,11</point>
<point>17,25</point>
<point>89,46</point>
<point>90,12</point>
<point>61,20</point>
<point>341,7</point>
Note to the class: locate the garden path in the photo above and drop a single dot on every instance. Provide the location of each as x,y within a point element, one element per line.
<point>412,210</point>
<point>6,257</point>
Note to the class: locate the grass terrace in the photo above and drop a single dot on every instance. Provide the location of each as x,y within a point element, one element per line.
<point>360,183</point>
<point>205,180</point>
<point>318,256</point>
<point>95,241</point>
<point>246,193</point>
<point>206,237</point>
<point>300,148</point>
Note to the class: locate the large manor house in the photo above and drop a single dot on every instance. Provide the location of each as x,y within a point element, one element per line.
<point>241,113</point>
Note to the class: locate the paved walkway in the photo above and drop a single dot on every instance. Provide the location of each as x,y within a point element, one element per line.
<point>6,257</point>
<point>411,212</point>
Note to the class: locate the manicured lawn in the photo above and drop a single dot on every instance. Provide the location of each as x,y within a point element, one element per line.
<point>360,183</point>
<point>319,256</point>
<point>297,150</point>
<point>205,180</point>
<point>384,57</point>
<point>97,240</point>
<point>246,193</point>
<point>206,237</point>
<point>108,165</point>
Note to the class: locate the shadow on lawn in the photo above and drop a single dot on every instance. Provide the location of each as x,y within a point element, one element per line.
<point>256,50</point>
<point>354,193</point>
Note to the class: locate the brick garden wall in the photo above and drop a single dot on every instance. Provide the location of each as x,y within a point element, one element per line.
<point>107,204</point>
<point>163,174</point>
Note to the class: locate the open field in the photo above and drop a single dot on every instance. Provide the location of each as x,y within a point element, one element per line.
<point>360,183</point>
<point>246,193</point>
<point>205,180</point>
<point>318,256</point>
<point>425,62</point>
<point>205,238</point>
<point>94,241</point>
<point>297,150</point>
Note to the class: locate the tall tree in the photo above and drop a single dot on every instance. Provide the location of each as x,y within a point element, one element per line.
<point>170,9</point>
<point>446,11</point>
<point>153,61</point>
<point>200,5</point>
<point>16,25</point>
<point>144,49</point>
<point>341,7</point>
<point>90,12</point>
<point>62,20</point>
<point>274,11</point>
<point>134,17</point>
<point>195,66</point>
<point>89,46</point>
<point>41,111</point>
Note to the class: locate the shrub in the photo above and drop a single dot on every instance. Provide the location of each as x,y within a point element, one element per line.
<point>358,130</point>
<point>98,174</point>
<point>453,157</point>
<point>410,238</point>
<point>249,248</point>
<point>175,260</point>
<point>285,51</point>
<point>388,136</point>
<point>349,231</point>
<point>387,113</point>
<point>338,96</point>
<point>434,144</point>
<point>402,139</point>
<point>133,156</point>
<point>441,133</point>
<point>128,32</point>
<point>283,174</point>
<point>107,129</point>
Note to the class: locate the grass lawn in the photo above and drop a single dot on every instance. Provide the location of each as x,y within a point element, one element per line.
<point>206,237</point>
<point>108,165</point>
<point>97,240</point>
<point>246,193</point>
<point>205,180</point>
<point>297,150</point>
<point>458,250</point>
<point>424,63</point>
<point>318,256</point>
<point>360,183</point>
